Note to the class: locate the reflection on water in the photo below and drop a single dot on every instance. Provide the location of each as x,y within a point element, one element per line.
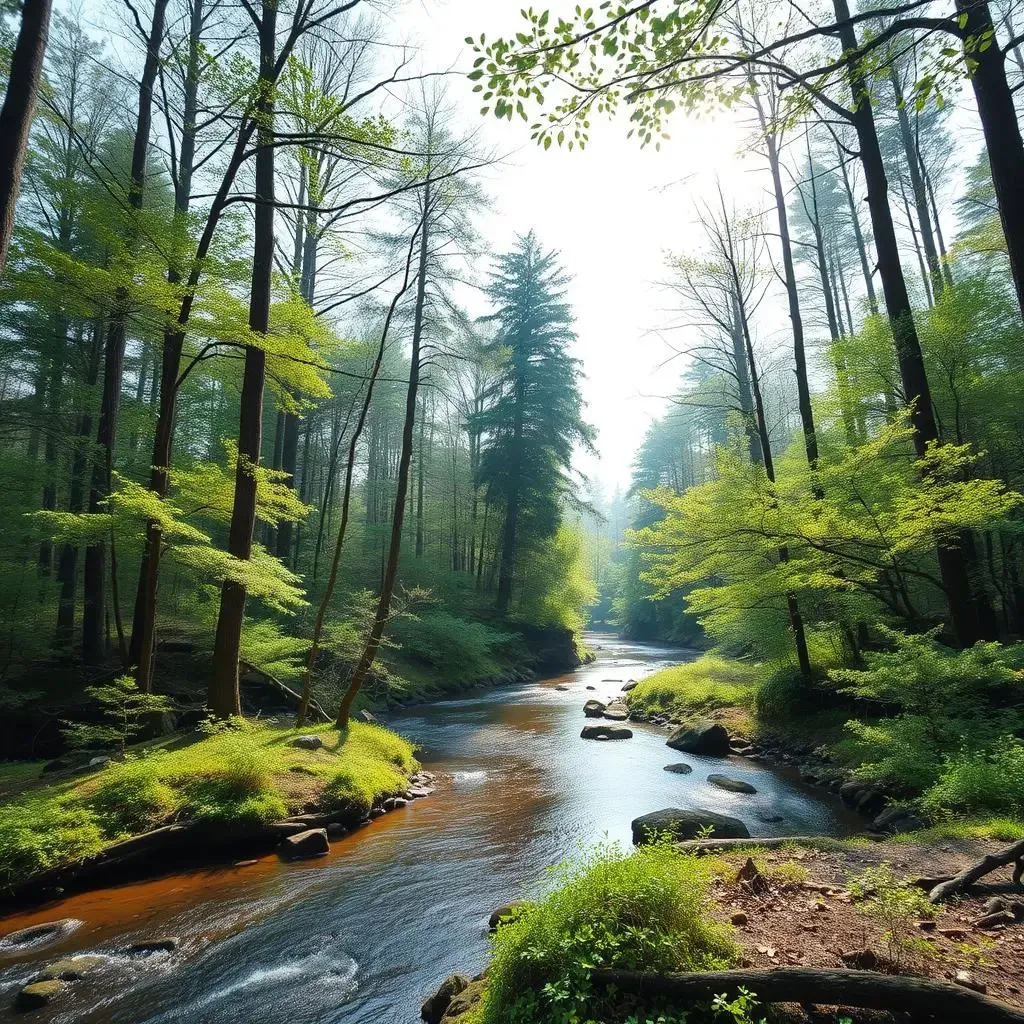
<point>364,934</point>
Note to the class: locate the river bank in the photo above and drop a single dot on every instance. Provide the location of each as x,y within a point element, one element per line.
<point>316,942</point>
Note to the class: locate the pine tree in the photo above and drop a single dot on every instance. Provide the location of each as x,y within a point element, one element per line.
<point>535,415</point>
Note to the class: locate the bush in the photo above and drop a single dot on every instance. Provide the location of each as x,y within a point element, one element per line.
<point>894,904</point>
<point>37,834</point>
<point>988,780</point>
<point>132,797</point>
<point>644,911</point>
<point>699,686</point>
<point>453,646</point>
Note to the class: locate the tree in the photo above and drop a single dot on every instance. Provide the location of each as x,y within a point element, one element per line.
<point>535,413</point>
<point>18,109</point>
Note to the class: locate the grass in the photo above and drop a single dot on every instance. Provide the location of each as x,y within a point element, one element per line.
<point>710,683</point>
<point>643,911</point>
<point>234,777</point>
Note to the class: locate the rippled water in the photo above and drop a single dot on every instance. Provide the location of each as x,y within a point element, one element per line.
<point>365,934</point>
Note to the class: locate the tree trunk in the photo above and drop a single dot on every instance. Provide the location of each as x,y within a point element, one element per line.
<point>387,589</point>
<point>952,563</point>
<point>18,110</point>
<point>913,158</point>
<point>93,615</point>
<point>858,235</point>
<point>223,696</point>
<point>1002,131</point>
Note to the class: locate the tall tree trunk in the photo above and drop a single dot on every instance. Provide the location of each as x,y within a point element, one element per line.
<point>93,615</point>
<point>18,110</point>
<point>421,456</point>
<point>956,580</point>
<point>999,122</point>
<point>858,234</point>
<point>387,589</point>
<point>796,322</point>
<point>913,158</point>
<point>67,561</point>
<point>739,362</point>
<point>223,696</point>
<point>332,578</point>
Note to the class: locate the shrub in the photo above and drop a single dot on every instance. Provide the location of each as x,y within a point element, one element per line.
<point>988,780</point>
<point>894,904</point>
<point>131,797</point>
<point>38,834</point>
<point>453,646</point>
<point>123,709</point>
<point>644,911</point>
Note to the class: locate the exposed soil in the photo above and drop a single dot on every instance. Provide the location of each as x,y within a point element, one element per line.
<point>814,921</point>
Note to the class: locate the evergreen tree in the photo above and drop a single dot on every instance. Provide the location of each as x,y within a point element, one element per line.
<point>535,416</point>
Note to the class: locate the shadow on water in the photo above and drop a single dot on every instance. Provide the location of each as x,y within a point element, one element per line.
<point>365,933</point>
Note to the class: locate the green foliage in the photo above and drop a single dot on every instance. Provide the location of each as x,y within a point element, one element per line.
<point>449,644</point>
<point>986,780</point>
<point>703,685</point>
<point>894,904</point>
<point>643,911</point>
<point>234,776</point>
<point>557,586</point>
<point>123,708</point>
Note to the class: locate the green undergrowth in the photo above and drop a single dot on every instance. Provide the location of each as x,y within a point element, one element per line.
<point>697,687</point>
<point>643,911</point>
<point>234,777</point>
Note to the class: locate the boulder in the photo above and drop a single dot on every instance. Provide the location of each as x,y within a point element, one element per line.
<point>465,1000</point>
<point>768,816</point>
<point>606,732</point>
<point>365,716</point>
<point>336,830</point>
<point>616,711</point>
<point>311,843</point>
<point>626,687</point>
<point>309,742</point>
<point>504,914</point>
<point>162,944</point>
<point>561,687</point>
<point>38,935</point>
<point>682,825</point>
<point>679,767</point>
<point>708,738</point>
<point>434,1007</point>
<point>71,968</point>
<point>593,709</point>
<point>37,994</point>
<point>733,785</point>
<point>897,819</point>
<point>591,687</point>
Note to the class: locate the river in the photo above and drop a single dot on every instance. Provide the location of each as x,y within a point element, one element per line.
<point>364,934</point>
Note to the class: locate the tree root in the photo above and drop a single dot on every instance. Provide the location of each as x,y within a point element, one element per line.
<point>862,989</point>
<point>970,875</point>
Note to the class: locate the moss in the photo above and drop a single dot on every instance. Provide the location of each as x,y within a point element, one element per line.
<point>698,687</point>
<point>237,776</point>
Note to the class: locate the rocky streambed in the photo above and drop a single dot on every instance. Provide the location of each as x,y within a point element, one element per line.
<point>366,931</point>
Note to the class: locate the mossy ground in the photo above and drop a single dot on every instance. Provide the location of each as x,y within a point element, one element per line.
<point>239,776</point>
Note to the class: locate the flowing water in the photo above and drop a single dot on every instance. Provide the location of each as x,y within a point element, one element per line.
<point>366,933</point>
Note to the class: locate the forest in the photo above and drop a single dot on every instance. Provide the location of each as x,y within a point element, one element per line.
<point>290,442</point>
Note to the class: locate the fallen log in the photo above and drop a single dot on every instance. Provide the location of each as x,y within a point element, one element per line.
<point>725,845</point>
<point>861,989</point>
<point>1012,854</point>
<point>284,688</point>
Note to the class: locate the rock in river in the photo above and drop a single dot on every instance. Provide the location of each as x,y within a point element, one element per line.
<point>606,732</point>
<point>37,994</point>
<point>71,968</point>
<point>38,935</point>
<point>626,687</point>
<point>679,768</point>
<point>593,709</point>
<point>616,711</point>
<point>433,1009</point>
<point>733,785</point>
<point>503,915</point>
<point>311,843</point>
<point>680,825</point>
<point>161,944</point>
<point>706,737</point>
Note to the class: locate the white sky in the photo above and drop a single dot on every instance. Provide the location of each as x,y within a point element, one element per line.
<point>612,211</point>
